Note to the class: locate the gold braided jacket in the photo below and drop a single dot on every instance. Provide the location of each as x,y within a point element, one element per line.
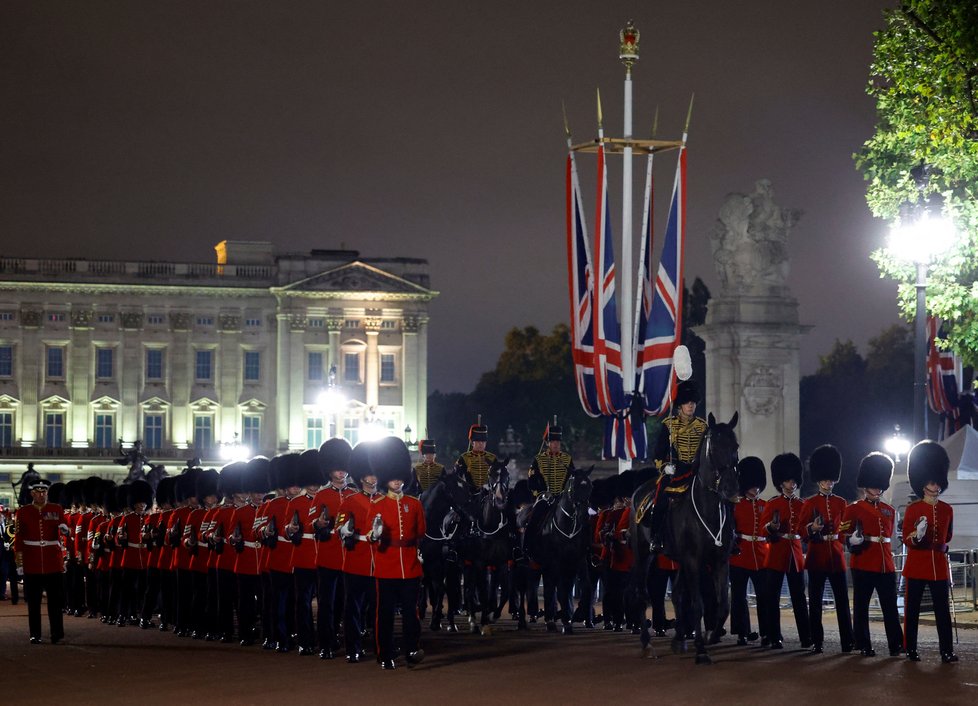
<point>684,438</point>
<point>554,468</point>
<point>477,465</point>
<point>428,473</point>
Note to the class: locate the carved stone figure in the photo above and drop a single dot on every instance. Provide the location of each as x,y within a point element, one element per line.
<point>750,242</point>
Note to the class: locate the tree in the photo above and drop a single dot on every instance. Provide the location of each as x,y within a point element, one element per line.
<point>924,78</point>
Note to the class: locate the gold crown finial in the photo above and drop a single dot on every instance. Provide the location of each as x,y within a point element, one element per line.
<point>628,51</point>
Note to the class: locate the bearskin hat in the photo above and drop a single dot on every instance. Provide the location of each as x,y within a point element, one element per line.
<point>687,391</point>
<point>255,476</point>
<point>786,467</point>
<point>90,490</point>
<point>207,484</point>
<point>390,460</point>
<point>56,492</point>
<point>334,455</point>
<point>120,500</point>
<point>307,469</point>
<point>231,476</point>
<point>140,491</point>
<point>103,493</point>
<point>186,486</point>
<point>478,432</point>
<point>927,462</point>
<point>165,491</point>
<point>752,474</point>
<point>72,494</point>
<point>825,463</point>
<point>554,433</point>
<point>360,462</point>
<point>522,495</point>
<point>427,446</point>
<point>875,471</point>
<point>624,484</point>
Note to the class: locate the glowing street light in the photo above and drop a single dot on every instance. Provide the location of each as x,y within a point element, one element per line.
<point>897,445</point>
<point>235,451</point>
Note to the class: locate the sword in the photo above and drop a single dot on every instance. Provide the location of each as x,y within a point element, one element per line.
<point>954,612</point>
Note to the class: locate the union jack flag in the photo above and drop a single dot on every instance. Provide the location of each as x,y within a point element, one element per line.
<point>943,378</point>
<point>581,288</point>
<point>660,324</point>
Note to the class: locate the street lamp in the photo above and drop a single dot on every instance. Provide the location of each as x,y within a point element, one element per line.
<point>920,235</point>
<point>897,445</point>
<point>234,450</point>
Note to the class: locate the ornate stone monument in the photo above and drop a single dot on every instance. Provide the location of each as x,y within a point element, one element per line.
<point>752,330</point>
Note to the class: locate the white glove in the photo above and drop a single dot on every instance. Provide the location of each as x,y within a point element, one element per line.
<point>377,529</point>
<point>669,469</point>
<point>856,538</point>
<point>921,528</point>
<point>20,570</point>
<point>346,529</point>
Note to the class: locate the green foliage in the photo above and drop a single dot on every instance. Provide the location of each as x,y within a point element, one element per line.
<point>924,78</point>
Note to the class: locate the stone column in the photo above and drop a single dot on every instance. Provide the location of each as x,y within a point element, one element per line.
<point>80,381</point>
<point>371,388</point>
<point>411,367</point>
<point>182,371</point>
<point>297,381</point>
<point>282,379</point>
<point>231,380</point>
<point>28,361</point>
<point>752,331</point>
<point>130,362</point>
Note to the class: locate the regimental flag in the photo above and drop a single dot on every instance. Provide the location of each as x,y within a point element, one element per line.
<point>943,379</point>
<point>660,326</point>
<point>580,285</point>
<point>624,433</point>
<point>607,331</point>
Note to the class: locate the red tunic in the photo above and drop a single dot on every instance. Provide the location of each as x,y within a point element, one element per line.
<point>927,559</point>
<point>175,532</point>
<point>359,559</point>
<point>71,520</point>
<point>164,553</point>
<point>622,557</point>
<point>787,549</point>
<point>82,523</point>
<point>877,527</point>
<point>135,554</point>
<point>751,538</point>
<point>245,561</point>
<point>99,528</point>
<point>223,558</point>
<point>38,538</point>
<point>304,553</point>
<point>826,554</point>
<point>198,523</point>
<point>329,553</point>
<point>116,544</point>
<point>397,552</point>
<point>280,558</point>
<point>261,519</point>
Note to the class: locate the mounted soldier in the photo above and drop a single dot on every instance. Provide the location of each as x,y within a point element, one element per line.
<point>474,464</point>
<point>553,463</point>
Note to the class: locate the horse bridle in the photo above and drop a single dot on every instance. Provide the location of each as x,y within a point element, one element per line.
<point>718,473</point>
<point>491,492</point>
<point>577,526</point>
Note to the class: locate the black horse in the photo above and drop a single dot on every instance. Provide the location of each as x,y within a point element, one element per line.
<point>560,544</point>
<point>700,523</point>
<point>488,549</point>
<point>444,507</point>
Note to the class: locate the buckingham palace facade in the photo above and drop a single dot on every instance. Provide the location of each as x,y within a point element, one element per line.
<point>273,351</point>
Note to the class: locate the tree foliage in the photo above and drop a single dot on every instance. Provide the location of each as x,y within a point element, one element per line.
<point>924,78</point>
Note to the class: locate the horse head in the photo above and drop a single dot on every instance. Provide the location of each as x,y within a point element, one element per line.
<point>498,482</point>
<point>717,463</point>
<point>578,486</point>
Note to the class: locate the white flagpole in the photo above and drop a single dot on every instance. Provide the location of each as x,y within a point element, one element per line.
<point>646,244</point>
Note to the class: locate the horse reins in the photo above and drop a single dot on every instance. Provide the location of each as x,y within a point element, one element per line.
<point>720,507</point>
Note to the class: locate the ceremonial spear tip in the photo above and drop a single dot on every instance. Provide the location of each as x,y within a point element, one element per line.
<point>689,113</point>
<point>563,108</point>
<point>600,119</point>
<point>655,122</point>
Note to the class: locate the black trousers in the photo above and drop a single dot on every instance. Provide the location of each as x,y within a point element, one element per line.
<point>104,592</point>
<point>940,597</point>
<point>658,581</point>
<point>739,609</point>
<point>360,591</point>
<point>283,608</point>
<point>226,601</point>
<point>796,589</point>
<point>390,594</point>
<point>185,600</point>
<point>91,590</point>
<point>35,585</point>
<point>840,591</point>
<point>249,588</point>
<point>863,585</point>
<point>267,604</point>
<point>198,608</point>
<point>152,594</point>
<point>328,580</point>
<point>614,596</point>
<point>305,581</point>
<point>116,580</point>
<point>133,592</point>
<point>168,597</point>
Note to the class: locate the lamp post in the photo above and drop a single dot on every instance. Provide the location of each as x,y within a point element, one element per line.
<point>897,445</point>
<point>920,235</point>
<point>234,450</point>
<point>331,402</point>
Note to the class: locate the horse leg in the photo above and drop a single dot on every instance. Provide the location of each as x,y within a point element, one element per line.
<point>549,598</point>
<point>696,620</point>
<point>452,586</point>
<point>720,577</point>
<point>565,592</point>
<point>680,600</point>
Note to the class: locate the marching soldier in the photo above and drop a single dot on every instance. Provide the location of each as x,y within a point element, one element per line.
<point>675,450</point>
<point>869,525</point>
<point>825,561</point>
<point>135,554</point>
<point>39,557</point>
<point>254,485</point>
<point>927,529</point>
<point>747,560</point>
<point>474,464</point>
<point>196,538</point>
<point>618,553</point>
<point>334,459</point>
<point>220,569</point>
<point>428,470</point>
<point>159,578</point>
<point>279,548</point>
<point>354,523</point>
<point>186,496</point>
<point>553,464</point>
<point>300,531</point>
<point>785,558</point>
<point>397,530</point>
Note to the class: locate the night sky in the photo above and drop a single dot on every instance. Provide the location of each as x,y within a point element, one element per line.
<point>154,130</point>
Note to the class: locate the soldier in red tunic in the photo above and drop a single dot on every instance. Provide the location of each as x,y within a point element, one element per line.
<point>135,554</point>
<point>279,548</point>
<point>353,525</point>
<point>927,530</point>
<point>334,458</point>
<point>747,561</point>
<point>397,531</point>
<point>785,558</point>
<point>243,539</point>
<point>186,497</point>
<point>868,525</point>
<point>825,561</point>
<point>39,555</point>
<point>222,559</point>
<point>619,552</point>
<point>301,515</point>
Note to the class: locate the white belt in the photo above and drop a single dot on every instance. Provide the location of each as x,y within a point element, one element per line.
<point>879,540</point>
<point>42,543</point>
<point>284,539</point>
<point>790,536</point>
<point>831,537</point>
<point>308,536</point>
<point>136,546</point>
<point>251,545</point>
<point>363,538</point>
<point>752,538</point>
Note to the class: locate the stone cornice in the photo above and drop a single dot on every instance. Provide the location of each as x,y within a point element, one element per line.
<point>149,290</point>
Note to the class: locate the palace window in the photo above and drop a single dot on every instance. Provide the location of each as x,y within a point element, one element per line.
<point>314,432</point>
<point>154,364</point>
<point>6,429</point>
<point>56,317</point>
<point>55,362</point>
<point>205,321</point>
<point>6,361</point>
<point>252,323</point>
<point>351,367</point>
<point>106,318</point>
<point>155,319</point>
<point>203,366</point>
<point>54,430</point>
<point>252,366</point>
<point>317,323</point>
<point>104,434</point>
<point>153,431</point>
<point>315,366</point>
<point>251,432</point>
<point>103,363</point>
<point>203,432</point>
<point>388,368</point>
